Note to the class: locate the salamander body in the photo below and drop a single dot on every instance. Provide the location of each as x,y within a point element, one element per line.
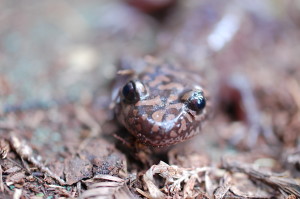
<point>162,104</point>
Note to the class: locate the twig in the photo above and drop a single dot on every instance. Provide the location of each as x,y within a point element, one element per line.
<point>288,185</point>
<point>84,117</point>
<point>1,180</point>
<point>78,185</point>
<point>112,187</point>
<point>174,176</point>
<point>224,187</point>
<point>25,151</point>
<point>17,194</point>
<point>60,190</point>
<point>4,148</point>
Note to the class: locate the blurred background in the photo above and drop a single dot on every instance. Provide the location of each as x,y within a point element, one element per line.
<point>53,49</point>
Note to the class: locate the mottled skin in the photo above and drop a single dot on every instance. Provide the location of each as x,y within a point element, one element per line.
<point>161,116</point>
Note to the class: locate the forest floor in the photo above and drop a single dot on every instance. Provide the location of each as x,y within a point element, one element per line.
<point>57,64</point>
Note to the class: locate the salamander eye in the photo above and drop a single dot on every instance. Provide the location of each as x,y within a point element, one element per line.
<point>130,93</point>
<point>133,91</point>
<point>195,100</point>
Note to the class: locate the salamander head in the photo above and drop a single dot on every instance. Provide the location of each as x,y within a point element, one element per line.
<point>160,107</point>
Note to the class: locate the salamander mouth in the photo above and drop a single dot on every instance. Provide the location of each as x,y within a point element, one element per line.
<point>158,142</point>
<point>166,132</point>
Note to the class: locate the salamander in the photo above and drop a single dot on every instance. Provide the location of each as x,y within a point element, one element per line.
<point>162,104</point>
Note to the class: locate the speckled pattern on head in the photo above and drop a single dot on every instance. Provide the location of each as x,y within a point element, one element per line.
<point>161,116</point>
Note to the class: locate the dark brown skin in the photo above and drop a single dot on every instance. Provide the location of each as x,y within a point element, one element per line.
<point>162,105</point>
